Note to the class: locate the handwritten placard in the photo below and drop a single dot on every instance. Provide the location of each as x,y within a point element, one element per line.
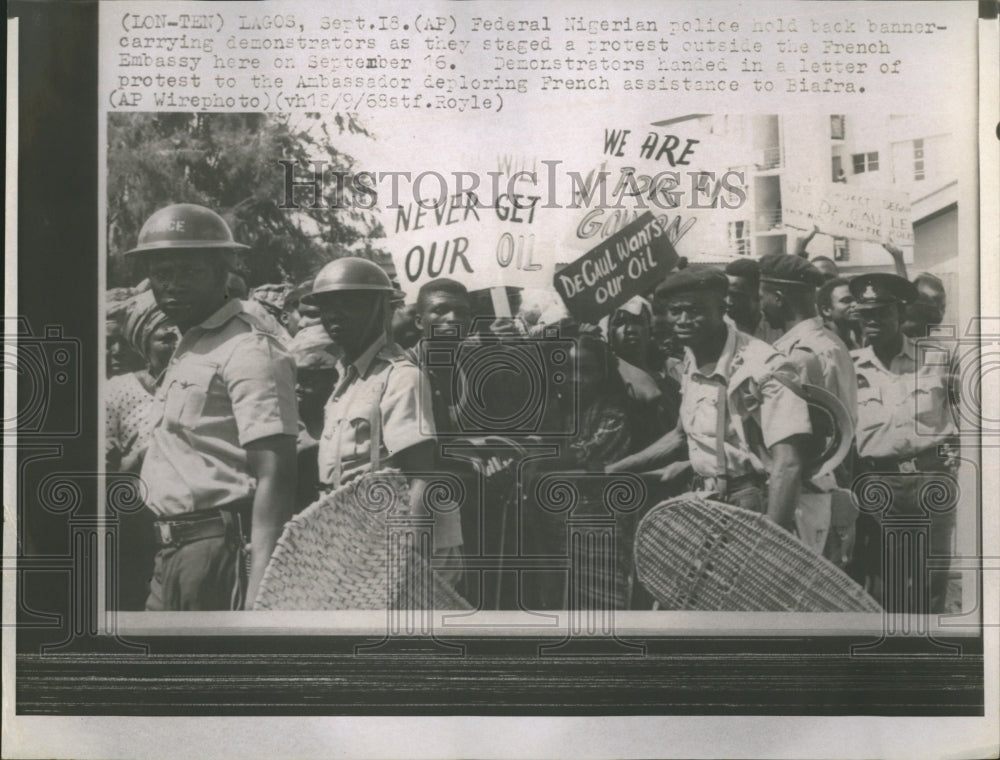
<point>873,214</point>
<point>627,264</point>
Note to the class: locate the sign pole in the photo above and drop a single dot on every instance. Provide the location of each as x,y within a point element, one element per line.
<point>501,306</point>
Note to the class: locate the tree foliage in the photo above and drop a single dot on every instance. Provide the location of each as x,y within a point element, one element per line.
<point>229,162</point>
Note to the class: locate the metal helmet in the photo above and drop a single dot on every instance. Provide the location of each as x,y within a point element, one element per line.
<point>832,430</point>
<point>184,226</point>
<point>349,273</point>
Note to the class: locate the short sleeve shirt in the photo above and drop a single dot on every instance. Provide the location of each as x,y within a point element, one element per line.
<point>822,359</point>
<point>382,396</point>
<point>744,376</point>
<point>903,408</point>
<point>382,388</point>
<point>229,383</point>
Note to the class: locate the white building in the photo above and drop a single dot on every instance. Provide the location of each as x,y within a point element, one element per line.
<point>910,154</point>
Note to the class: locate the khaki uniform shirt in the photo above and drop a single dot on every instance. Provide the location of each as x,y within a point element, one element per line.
<point>903,408</point>
<point>823,360</point>
<point>746,370</point>
<point>382,396</point>
<point>230,382</point>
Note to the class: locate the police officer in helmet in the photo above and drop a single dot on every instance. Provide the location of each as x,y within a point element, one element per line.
<point>380,413</point>
<point>220,469</point>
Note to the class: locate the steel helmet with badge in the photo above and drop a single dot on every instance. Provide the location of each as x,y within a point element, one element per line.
<point>349,274</point>
<point>185,226</point>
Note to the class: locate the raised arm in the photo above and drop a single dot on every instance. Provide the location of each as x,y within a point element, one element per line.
<point>802,242</point>
<point>897,258</point>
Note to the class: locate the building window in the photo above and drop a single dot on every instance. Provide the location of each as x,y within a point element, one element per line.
<point>841,249</point>
<point>838,125</point>
<point>739,238</point>
<point>918,160</point>
<point>865,162</point>
<point>837,169</point>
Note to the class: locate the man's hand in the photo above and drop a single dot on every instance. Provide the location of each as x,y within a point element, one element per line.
<point>675,470</point>
<point>272,463</point>
<point>416,462</point>
<point>897,257</point>
<point>507,327</point>
<point>802,242</point>
<point>657,454</point>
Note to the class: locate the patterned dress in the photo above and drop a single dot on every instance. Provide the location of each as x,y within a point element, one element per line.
<point>129,420</point>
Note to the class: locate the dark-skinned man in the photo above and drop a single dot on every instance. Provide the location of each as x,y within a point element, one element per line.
<point>788,301</point>
<point>743,299</point>
<point>904,418</point>
<point>221,462</point>
<point>835,303</point>
<point>726,372</point>
<point>380,413</point>
<point>444,304</point>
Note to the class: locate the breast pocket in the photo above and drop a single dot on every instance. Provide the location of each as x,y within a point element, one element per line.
<point>359,415</point>
<point>187,394</point>
<point>872,411</point>
<point>928,398</point>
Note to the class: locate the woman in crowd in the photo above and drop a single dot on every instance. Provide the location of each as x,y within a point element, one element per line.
<point>130,414</point>
<point>654,397</point>
<point>316,374</point>
<point>129,420</point>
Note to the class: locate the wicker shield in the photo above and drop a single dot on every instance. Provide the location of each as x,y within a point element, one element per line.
<point>696,554</point>
<point>346,552</point>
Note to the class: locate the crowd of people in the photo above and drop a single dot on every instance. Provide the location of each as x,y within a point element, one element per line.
<point>240,407</point>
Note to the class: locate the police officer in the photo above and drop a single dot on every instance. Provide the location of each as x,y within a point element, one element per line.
<point>380,412</point>
<point>788,301</point>
<point>735,413</point>
<point>904,418</point>
<point>221,461</point>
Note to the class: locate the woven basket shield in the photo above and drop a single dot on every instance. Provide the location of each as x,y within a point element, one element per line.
<point>342,553</point>
<point>697,554</point>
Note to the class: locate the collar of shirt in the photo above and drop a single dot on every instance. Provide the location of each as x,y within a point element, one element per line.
<point>217,319</point>
<point>361,365</point>
<point>722,367</point>
<point>227,311</point>
<point>904,361</point>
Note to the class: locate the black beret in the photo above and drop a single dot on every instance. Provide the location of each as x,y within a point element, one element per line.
<point>881,288</point>
<point>744,267</point>
<point>695,278</point>
<point>789,270</point>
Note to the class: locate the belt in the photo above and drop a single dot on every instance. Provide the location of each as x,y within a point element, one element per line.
<point>200,525</point>
<point>927,460</point>
<point>731,485</point>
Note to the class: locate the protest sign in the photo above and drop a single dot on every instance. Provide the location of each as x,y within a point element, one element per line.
<point>678,167</point>
<point>627,264</point>
<point>484,237</point>
<point>874,214</point>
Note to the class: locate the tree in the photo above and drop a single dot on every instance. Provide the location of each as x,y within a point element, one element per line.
<point>229,162</point>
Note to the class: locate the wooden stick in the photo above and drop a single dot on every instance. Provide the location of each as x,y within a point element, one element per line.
<point>501,306</point>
